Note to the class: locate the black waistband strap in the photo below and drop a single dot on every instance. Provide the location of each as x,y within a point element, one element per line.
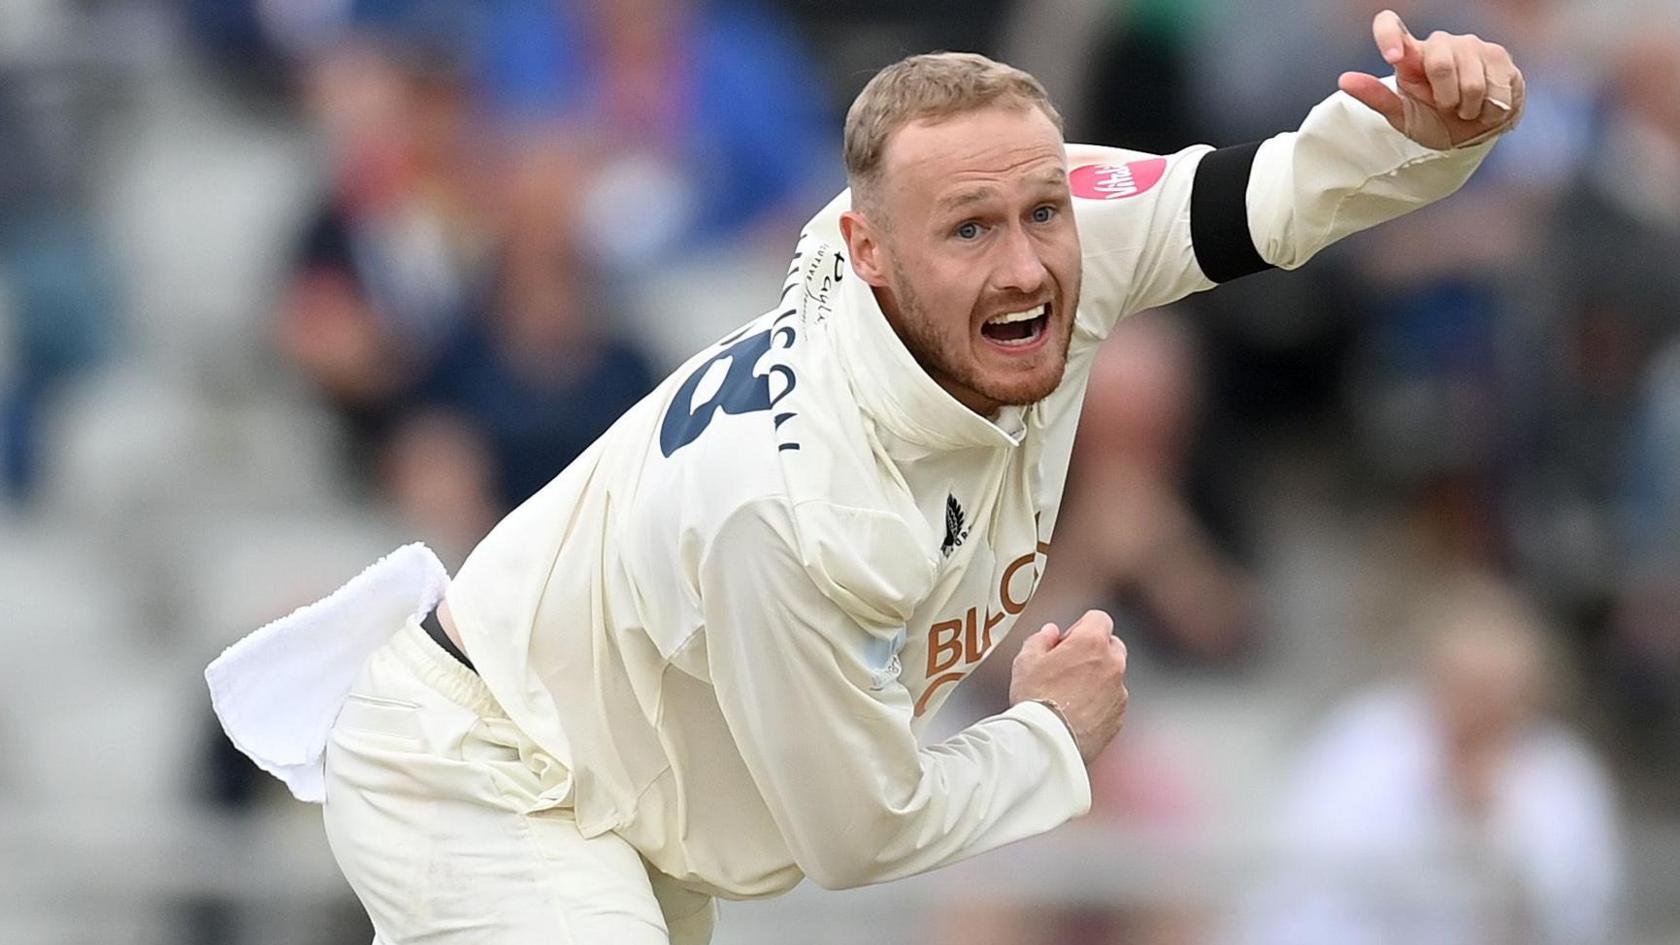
<point>434,629</point>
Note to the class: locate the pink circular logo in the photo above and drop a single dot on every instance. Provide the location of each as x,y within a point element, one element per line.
<point>1116,181</point>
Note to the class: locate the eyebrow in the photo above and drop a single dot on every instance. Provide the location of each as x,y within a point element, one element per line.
<point>963,198</point>
<point>1054,177</point>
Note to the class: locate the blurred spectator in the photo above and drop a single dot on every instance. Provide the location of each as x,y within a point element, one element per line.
<point>384,266</point>
<point>438,472</point>
<point>1128,539</point>
<point>1560,71</point>
<point>1611,304</point>
<point>538,368</point>
<point>708,115</point>
<point>1276,344</point>
<point>261,40</point>
<point>1642,675</point>
<point>1140,89</point>
<point>58,294</point>
<point>1648,516</point>
<point>1643,651</point>
<point>1262,64</point>
<point>1447,808</point>
<point>240,36</point>
<point>56,307</point>
<point>1445,364</point>
<point>1119,72</point>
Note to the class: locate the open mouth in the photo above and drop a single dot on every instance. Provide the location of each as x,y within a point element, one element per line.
<point>1018,329</point>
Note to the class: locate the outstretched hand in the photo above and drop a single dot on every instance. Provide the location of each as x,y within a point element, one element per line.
<point>1453,90</point>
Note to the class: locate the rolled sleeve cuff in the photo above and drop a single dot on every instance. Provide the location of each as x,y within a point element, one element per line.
<point>1067,783</point>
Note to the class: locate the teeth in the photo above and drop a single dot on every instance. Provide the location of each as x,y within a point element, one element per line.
<point>1013,317</point>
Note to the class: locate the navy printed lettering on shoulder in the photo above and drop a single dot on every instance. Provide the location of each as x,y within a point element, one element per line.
<point>742,390</point>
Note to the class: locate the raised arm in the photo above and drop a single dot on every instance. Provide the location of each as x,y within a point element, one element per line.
<point>1155,229</point>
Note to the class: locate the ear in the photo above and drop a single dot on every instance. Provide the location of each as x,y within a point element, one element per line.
<point>863,244</point>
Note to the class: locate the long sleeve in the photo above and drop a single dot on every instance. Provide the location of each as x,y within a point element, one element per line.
<point>1157,228</point>
<point>810,691</point>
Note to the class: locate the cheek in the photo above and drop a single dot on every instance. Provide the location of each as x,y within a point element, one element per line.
<point>1068,261</point>
<point>1059,253</point>
<point>963,307</point>
<point>948,296</point>
<point>1069,271</point>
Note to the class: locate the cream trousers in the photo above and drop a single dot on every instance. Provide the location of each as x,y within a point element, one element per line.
<point>441,814</point>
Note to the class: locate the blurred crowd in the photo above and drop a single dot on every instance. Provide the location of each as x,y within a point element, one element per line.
<point>1394,540</point>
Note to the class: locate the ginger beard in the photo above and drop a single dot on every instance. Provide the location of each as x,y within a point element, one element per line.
<point>946,351</point>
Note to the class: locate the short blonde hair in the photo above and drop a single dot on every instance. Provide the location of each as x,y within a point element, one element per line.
<point>929,86</point>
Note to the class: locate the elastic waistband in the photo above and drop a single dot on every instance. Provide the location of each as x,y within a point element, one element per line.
<point>434,629</point>
<point>436,668</point>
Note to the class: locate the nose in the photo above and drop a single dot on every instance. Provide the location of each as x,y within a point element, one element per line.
<point>1020,268</point>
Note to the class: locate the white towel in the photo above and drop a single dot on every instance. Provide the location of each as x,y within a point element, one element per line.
<point>278,690</point>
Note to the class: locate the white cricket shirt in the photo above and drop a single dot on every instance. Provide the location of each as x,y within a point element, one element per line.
<point>729,619</point>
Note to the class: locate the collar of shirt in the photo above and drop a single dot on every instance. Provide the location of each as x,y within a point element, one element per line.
<point>897,393</point>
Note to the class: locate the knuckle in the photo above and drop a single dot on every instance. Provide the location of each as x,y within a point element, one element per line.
<point>1440,68</point>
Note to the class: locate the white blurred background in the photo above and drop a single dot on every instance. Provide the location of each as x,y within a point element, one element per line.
<point>1393,540</point>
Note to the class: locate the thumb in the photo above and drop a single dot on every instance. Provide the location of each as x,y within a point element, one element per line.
<point>1376,96</point>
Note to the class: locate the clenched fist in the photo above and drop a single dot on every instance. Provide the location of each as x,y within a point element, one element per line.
<point>1453,90</point>
<point>1082,673</point>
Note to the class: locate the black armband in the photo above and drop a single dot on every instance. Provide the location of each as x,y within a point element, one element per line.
<point>1219,215</point>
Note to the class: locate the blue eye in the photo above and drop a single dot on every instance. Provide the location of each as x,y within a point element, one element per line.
<point>968,231</point>
<point>1043,214</point>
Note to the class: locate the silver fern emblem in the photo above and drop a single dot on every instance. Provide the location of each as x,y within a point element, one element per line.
<point>955,526</point>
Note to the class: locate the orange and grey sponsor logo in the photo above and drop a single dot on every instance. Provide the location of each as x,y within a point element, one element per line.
<point>956,646</point>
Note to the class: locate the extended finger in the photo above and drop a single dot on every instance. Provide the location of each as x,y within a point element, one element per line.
<point>1390,34</point>
<point>1394,41</point>
<point>1472,77</point>
<point>1441,70</point>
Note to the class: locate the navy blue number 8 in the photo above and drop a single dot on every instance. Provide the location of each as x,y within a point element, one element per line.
<point>742,391</point>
